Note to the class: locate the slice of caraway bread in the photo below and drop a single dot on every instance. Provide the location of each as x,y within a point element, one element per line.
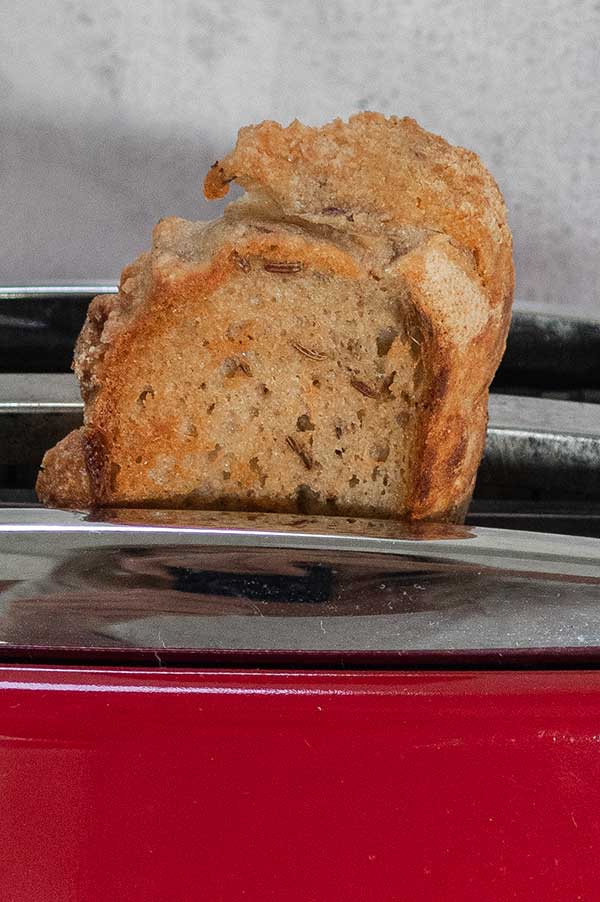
<point>325,347</point>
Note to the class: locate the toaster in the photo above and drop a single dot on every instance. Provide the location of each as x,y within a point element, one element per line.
<point>228,706</point>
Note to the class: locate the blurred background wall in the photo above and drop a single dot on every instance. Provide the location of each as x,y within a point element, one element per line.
<point>111,113</point>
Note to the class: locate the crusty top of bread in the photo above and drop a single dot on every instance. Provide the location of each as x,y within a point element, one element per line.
<point>372,173</point>
<point>376,214</point>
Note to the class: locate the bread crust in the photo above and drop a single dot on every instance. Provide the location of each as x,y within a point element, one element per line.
<point>379,171</point>
<point>373,201</point>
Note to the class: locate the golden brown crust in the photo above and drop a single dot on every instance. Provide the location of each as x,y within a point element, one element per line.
<point>376,171</point>
<point>63,476</point>
<point>460,355</point>
<point>374,202</point>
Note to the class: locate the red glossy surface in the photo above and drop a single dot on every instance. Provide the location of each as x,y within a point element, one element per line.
<point>176,785</point>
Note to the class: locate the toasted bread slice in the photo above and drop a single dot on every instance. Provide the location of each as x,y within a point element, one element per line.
<point>326,347</point>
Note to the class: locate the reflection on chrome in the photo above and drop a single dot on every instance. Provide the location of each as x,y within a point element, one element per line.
<point>219,581</point>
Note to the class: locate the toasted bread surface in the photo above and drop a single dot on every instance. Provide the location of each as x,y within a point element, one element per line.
<point>326,347</point>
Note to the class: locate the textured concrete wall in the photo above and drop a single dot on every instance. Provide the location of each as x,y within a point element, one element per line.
<point>112,111</point>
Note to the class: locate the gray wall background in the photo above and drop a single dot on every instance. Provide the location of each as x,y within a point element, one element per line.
<point>112,111</point>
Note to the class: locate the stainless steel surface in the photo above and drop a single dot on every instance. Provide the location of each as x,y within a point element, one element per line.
<point>551,350</point>
<point>542,450</point>
<point>217,582</point>
<point>69,289</point>
<point>39,325</point>
<point>554,313</point>
<point>39,393</point>
<point>544,418</point>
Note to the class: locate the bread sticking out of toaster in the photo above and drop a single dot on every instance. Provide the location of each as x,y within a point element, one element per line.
<point>325,347</point>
